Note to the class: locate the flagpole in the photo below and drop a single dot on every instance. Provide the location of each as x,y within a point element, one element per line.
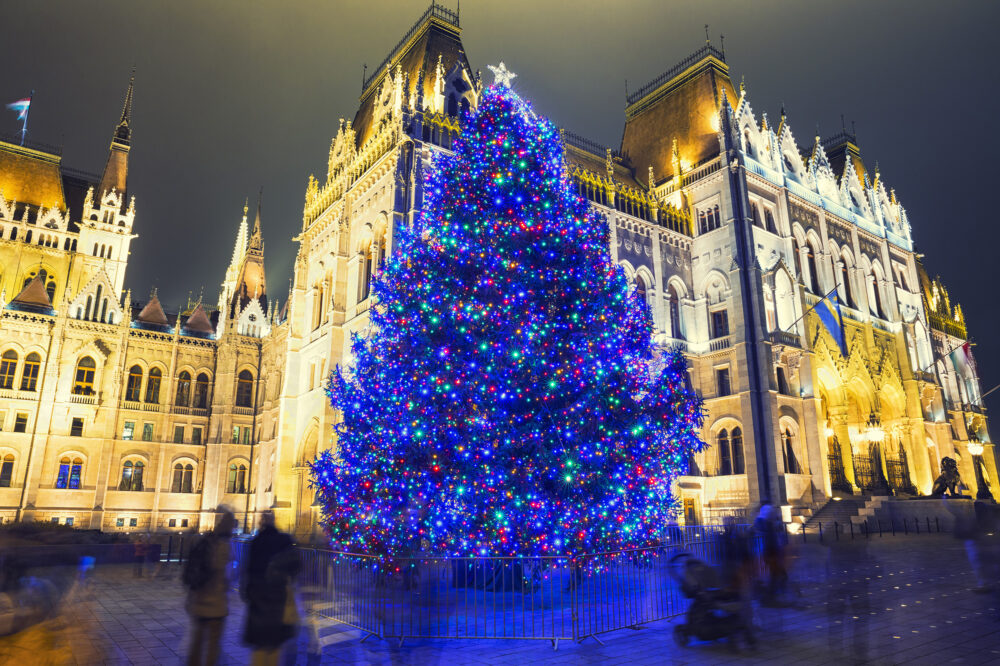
<point>808,310</point>
<point>24,123</point>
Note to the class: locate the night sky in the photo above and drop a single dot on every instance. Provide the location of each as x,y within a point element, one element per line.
<point>234,96</point>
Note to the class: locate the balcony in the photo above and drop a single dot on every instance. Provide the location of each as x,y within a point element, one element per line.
<point>245,411</point>
<point>193,411</point>
<point>785,338</point>
<point>15,394</point>
<point>141,406</point>
<point>718,344</point>
<point>79,399</point>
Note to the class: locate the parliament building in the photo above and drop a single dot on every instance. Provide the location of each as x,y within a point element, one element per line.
<point>118,414</point>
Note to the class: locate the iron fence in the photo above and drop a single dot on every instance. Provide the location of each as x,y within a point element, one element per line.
<point>543,598</point>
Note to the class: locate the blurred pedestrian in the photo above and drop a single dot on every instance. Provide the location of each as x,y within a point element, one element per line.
<point>772,532</point>
<point>267,588</point>
<point>140,553</point>
<point>737,571</point>
<point>206,577</point>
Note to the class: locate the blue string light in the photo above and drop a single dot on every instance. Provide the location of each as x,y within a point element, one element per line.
<point>505,402</point>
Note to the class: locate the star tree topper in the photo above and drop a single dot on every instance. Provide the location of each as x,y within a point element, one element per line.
<point>501,75</point>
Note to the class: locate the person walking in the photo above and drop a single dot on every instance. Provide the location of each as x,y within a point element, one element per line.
<point>266,587</point>
<point>140,553</point>
<point>768,526</point>
<point>206,577</point>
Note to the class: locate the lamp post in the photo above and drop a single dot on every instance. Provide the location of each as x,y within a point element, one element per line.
<point>976,449</point>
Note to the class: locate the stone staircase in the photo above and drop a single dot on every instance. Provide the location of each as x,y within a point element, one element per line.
<point>842,511</point>
<point>872,508</point>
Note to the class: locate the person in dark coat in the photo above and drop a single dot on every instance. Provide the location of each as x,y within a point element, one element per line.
<point>266,587</point>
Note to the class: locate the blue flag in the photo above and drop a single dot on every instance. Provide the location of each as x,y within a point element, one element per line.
<point>829,313</point>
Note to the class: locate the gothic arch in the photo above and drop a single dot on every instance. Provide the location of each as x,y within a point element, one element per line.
<point>784,299</point>
<point>676,284</point>
<point>715,287</point>
<point>308,447</point>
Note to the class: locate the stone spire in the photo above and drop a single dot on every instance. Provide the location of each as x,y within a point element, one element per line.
<point>115,176</point>
<point>250,282</point>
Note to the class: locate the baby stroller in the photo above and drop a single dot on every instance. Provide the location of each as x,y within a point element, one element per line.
<point>714,612</point>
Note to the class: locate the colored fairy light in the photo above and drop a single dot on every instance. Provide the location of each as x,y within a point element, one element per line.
<point>507,400</point>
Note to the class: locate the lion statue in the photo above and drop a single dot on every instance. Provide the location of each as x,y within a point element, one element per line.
<point>949,479</point>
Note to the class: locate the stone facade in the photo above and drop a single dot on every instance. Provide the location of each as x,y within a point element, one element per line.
<point>731,230</point>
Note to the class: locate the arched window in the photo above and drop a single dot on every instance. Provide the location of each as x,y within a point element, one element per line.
<point>201,391</point>
<point>244,389</point>
<point>737,443</point>
<point>797,256</point>
<point>378,254</point>
<point>769,221</point>
<point>6,471</point>
<point>716,218</point>
<point>848,296</point>
<point>318,299</point>
<point>134,385</point>
<point>452,105</point>
<point>132,475</point>
<point>702,222</point>
<point>365,276</point>
<point>237,478</point>
<point>153,386</point>
<point>183,389</point>
<point>8,368</point>
<point>183,478</point>
<point>788,451</point>
<point>725,455</point>
<point>70,472</point>
<point>876,300</point>
<point>813,272</point>
<point>29,376</point>
<point>83,383</point>
<point>641,289</point>
<point>675,312</point>
<point>755,215</point>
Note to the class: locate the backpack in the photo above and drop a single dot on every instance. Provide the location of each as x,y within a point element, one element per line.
<point>198,567</point>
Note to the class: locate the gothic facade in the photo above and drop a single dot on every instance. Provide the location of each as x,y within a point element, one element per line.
<point>733,230</point>
<point>119,415</point>
<point>114,414</point>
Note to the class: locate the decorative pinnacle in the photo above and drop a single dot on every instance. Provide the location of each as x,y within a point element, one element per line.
<point>501,75</point>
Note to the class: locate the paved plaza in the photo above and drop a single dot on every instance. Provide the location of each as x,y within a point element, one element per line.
<point>902,600</point>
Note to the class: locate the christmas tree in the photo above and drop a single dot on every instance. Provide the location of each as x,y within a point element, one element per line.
<point>505,401</point>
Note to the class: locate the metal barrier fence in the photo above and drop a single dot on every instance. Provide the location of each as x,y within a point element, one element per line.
<point>546,598</point>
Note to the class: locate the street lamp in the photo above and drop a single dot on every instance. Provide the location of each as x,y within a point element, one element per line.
<point>976,448</point>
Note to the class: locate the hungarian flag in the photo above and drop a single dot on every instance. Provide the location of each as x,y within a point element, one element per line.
<point>829,313</point>
<point>962,358</point>
<point>21,106</point>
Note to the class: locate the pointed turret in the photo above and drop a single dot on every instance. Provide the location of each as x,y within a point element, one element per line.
<point>33,297</point>
<point>250,282</point>
<point>239,249</point>
<point>198,323</point>
<point>116,170</point>
<point>153,312</point>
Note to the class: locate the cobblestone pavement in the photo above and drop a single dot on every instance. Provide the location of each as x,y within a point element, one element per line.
<point>902,600</point>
